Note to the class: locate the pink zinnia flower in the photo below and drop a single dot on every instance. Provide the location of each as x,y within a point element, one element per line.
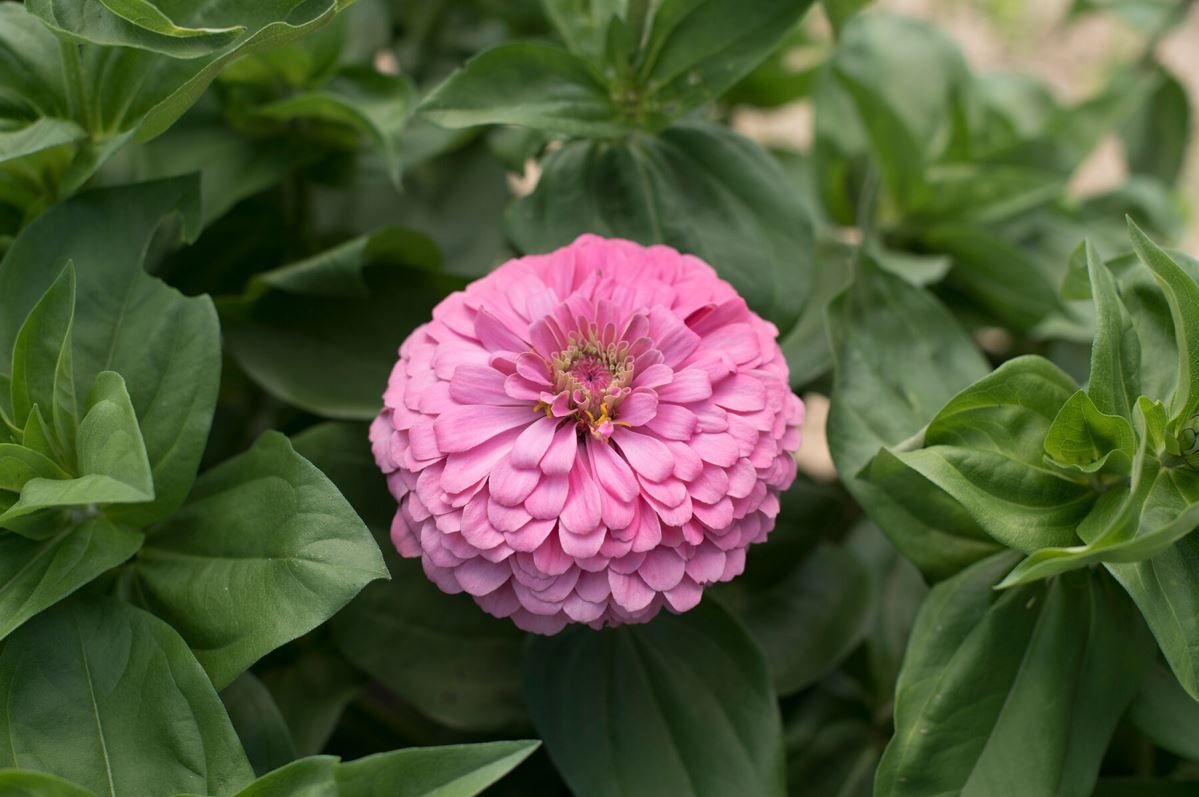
<point>588,435</point>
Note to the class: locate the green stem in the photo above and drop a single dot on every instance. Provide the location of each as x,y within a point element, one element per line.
<point>73,74</point>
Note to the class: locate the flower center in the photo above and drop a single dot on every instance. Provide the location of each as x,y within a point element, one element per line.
<point>595,378</point>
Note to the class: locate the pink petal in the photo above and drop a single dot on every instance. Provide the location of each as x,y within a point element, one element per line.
<point>688,385</point>
<point>479,577</point>
<point>548,497</point>
<point>630,592</point>
<point>560,456</point>
<point>463,428</point>
<point>533,442</point>
<point>662,569</point>
<point>638,409</point>
<point>649,456</point>
<point>581,513</point>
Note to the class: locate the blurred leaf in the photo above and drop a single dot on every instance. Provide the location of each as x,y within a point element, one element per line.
<point>311,693</point>
<point>832,745</point>
<point>899,591</point>
<point>697,187</point>
<point>165,346</point>
<point>258,723</point>
<point>1165,713</point>
<point>806,346</point>
<point>808,622</point>
<point>75,684</point>
<point>686,702</point>
<point>1156,137</point>
<point>265,550</point>
<point>985,667</point>
<point>840,11</point>
<point>1144,787</point>
<point>35,575</point>
<point>899,357</point>
<point>323,333</point>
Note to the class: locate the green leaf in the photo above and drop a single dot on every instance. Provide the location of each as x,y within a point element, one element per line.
<point>1160,507</point>
<point>74,687</point>
<point>131,23</point>
<point>696,50</point>
<point>697,187</point>
<point>583,24</point>
<point>983,667</point>
<point>533,85</point>
<point>1163,589</point>
<point>362,99</point>
<point>138,80</point>
<point>37,136</point>
<point>808,621</point>
<point>1157,135</point>
<point>1182,294</point>
<point>1085,440</point>
<point>325,336</point>
<point>111,456</point>
<point>264,550</point>
<point>19,464</point>
<point>899,591</point>
<point>166,346</point>
<point>453,771</point>
<point>899,357</point>
<point>308,777</point>
<point>1165,713</point>
<point>41,364</point>
<point>1114,383</point>
<point>986,449</point>
<point>840,11</point>
<point>259,724</point>
<point>832,743</point>
<point>22,783</point>
<point>1144,787</point>
<point>311,694</point>
<point>686,703</point>
<point>454,663</point>
<point>35,575</point>
<point>145,14</point>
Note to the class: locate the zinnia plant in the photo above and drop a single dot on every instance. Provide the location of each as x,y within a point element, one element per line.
<point>404,398</point>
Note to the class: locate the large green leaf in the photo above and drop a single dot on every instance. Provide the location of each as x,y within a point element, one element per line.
<point>809,620</point>
<point>265,550</point>
<point>165,345</point>
<point>699,188</point>
<point>1157,136</point>
<point>35,575</point>
<point>323,333</point>
<point>534,85</point>
<point>682,705</point>
<point>899,357</point>
<point>454,663</point>
<point>983,668</point>
<point>75,685</point>
<point>986,449</point>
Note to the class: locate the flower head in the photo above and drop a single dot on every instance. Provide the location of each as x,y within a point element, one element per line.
<point>588,435</point>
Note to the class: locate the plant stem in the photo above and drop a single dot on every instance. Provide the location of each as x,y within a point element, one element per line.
<point>73,74</point>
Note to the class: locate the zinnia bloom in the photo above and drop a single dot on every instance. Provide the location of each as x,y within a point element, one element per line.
<point>588,436</point>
